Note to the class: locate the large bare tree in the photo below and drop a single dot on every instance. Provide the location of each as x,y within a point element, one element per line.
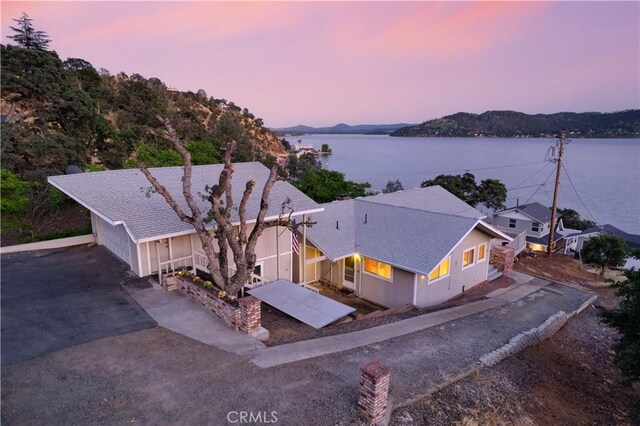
<point>227,239</point>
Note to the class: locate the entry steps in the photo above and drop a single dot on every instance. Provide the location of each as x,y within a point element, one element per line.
<point>494,273</point>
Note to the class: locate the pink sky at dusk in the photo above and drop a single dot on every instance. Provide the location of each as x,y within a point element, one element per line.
<point>362,62</point>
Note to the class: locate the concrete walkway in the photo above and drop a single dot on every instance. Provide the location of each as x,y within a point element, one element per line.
<point>182,315</point>
<point>277,355</point>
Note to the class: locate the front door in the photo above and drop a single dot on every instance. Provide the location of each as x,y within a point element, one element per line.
<point>349,280</point>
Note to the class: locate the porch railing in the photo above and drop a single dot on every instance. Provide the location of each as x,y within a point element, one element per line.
<point>173,264</point>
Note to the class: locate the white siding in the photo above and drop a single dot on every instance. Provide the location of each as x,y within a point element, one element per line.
<point>429,294</point>
<point>114,238</point>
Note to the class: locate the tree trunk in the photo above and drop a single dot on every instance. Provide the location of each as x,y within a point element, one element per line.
<point>230,236</point>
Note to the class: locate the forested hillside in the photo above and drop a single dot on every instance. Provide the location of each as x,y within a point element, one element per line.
<point>517,124</point>
<point>57,113</point>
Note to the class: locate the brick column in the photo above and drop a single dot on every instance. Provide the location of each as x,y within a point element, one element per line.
<point>502,257</point>
<point>250,314</point>
<point>374,391</point>
<point>170,282</point>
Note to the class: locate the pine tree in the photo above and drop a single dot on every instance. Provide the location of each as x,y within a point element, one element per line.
<point>28,37</point>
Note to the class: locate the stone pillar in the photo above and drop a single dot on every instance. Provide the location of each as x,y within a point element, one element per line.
<point>170,282</point>
<point>374,391</point>
<point>502,257</point>
<point>250,314</point>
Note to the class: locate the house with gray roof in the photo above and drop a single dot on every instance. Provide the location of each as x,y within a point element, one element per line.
<point>535,220</point>
<point>140,228</point>
<point>577,240</point>
<point>422,247</point>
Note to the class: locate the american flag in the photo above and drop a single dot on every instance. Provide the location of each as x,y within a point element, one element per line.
<point>294,242</point>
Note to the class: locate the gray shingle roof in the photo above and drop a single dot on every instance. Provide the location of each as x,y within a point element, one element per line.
<point>120,195</point>
<point>334,241</point>
<point>412,230</point>
<point>534,210</point>
<point>433,199</point>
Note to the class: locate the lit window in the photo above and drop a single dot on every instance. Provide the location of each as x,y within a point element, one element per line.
<point>311,252</point>
<point>482,249</point>
<point>512,223</point>
<point>468,257</point>
<point>377,268</point>
<point>442,270</point>
<point>535,226</point>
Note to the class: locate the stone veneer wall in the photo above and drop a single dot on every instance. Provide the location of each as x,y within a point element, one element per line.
<point>502,257</point>
<point>374,391</point>
<point>245,317</point>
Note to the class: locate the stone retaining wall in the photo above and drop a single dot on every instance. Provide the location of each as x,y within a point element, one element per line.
<point>245,317</point>
<point>526,339</point>
<point>502,257</point>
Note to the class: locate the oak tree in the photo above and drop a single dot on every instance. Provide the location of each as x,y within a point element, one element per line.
<point>229,239</point>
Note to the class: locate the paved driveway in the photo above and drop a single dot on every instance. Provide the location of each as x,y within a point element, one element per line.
<point>59,298</point>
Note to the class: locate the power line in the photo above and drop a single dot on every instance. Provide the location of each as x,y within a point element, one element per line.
<point>538,171</point>
<point>578,195</point>
<point>491,168</point>
<point>540,187</point>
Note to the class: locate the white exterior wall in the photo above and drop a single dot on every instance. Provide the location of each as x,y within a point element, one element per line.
<point>114,238</point>
<point>178,247</point>
<point>429,294</point>
<point>390,294</point>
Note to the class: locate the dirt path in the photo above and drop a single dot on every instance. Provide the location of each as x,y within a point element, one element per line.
<point>569,379</point>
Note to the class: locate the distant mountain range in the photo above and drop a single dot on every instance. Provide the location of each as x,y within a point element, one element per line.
<point>342,128</point>
<point>621,124</point>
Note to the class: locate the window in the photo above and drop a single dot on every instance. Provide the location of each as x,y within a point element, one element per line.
<point>442,270</point>
<point>535,227</point>
<point>482,251</point>
<point>468,257</point>
<point>311,252</point>
<point>377,268</point>
<point>512,223</point>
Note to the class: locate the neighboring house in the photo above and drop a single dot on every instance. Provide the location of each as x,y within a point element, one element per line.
<point>140,228</point>
<point>535,220</point>
<point>575,241</point>
<point>420,247</point>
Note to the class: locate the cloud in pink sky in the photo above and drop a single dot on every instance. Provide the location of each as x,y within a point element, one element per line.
<point>323,63</point>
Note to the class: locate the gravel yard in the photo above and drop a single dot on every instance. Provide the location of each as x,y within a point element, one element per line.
<point>569,379</point>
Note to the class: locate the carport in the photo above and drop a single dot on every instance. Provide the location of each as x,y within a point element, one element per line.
<point>301,303</point>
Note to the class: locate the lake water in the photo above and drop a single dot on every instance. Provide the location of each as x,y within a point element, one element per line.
<point>605,172</point>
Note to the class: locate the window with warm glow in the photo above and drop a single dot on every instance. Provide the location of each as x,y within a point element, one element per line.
<point>442,270</point>
<point>482,250</point>
<point>377,268</point>
<point>468,257</point>
<point>311,252</point>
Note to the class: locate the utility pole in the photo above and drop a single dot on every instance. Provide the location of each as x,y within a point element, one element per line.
<point>556,187</point>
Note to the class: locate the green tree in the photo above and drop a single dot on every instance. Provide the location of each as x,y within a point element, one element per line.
<point>13,200</point>
<point>392,186</point>
<point>325,148</point>
<point>324,186</point>
<point>627,320</point>
<point>491,192</point>
<point>571,219</point>
<point>28,37</point>
<point>296,167</point>
<point>605,251</point>
<point>203,153</point>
